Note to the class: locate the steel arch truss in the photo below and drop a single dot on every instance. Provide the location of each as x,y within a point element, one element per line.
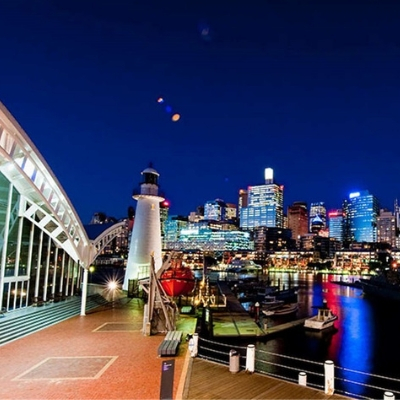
<point>43,201</point>
<point>105,238</point>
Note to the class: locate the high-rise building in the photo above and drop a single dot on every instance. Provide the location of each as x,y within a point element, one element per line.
<point>386,228</point>
<point>243,200</point>
<point>363,211</point>
<point>267,239</point>
<point>218,210</point>
<point>265,204</point>
<point>346,232</point>
<point>297,215</point>
<point>397,219</point>
<point>172,230</point>
<point>317,216</point>
<point>335,218</point>
<point>164,209</point>
<point>231,212</point>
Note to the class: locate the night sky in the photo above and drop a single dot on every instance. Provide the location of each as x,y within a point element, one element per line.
<point>308,88</point>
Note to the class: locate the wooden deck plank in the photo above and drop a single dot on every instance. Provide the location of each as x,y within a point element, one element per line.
<point>209,380</point>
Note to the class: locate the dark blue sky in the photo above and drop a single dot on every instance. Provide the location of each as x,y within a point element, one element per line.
<point>309,88</point>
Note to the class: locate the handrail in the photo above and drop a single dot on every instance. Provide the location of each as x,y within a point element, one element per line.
<point>274,364</point>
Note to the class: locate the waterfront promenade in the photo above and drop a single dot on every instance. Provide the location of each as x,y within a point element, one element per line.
<point>104,355</point>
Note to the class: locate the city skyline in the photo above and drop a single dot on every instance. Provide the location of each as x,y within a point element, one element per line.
<point>310,90</point>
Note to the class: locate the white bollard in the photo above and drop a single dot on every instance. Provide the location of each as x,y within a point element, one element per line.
<point>388,396</point>
<point>329,377</point>
<point>194,345</point>
<point>302,379</point>
<point>250,358</point>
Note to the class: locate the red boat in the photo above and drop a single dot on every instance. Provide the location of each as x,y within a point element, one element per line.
<point>177,280</point>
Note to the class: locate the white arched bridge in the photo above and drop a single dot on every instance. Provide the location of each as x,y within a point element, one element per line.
<point>40,231</point>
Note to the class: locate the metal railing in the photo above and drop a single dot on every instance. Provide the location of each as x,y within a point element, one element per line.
<point>348,382</point>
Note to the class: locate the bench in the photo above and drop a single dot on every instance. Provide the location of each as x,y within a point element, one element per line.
<point>169,346</point>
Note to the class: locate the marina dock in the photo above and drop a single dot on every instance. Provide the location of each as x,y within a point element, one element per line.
<point>235,321</point>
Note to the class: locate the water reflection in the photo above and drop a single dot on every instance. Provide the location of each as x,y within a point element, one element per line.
<point>365,338</point>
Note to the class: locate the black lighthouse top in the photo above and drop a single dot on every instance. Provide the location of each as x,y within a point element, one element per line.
<point>150,175</point>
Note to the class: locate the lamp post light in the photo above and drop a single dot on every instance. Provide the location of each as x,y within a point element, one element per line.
<point>91,270</point>
<point>112,287</point>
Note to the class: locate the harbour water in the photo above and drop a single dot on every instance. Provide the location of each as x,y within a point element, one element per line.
<point>366,339</point>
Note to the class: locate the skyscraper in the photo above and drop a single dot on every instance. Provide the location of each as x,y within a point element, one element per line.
<point>164,209</point>
<point>265,204</point>
<point>298,219</point>
<point>336,224</point>
<point>386,228</point>
<point>243,200</point>
<point>317,213</point>
<point>363,211</point>
<point>214,210</point>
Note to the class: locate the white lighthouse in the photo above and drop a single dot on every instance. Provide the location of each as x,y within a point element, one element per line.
<point>146,232</point>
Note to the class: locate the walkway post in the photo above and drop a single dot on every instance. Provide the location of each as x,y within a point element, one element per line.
<point>329,377</point>
<point>388,396</point>
<point>84,291</point>
<point>194,344</point>
<point>256,311</point>
<point>302,379</point>
<point>250,358</point>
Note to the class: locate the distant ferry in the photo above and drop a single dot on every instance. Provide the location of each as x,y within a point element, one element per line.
<point>241,266</point>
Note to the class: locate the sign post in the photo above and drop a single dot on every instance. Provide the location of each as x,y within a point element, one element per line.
<point>167,379</point>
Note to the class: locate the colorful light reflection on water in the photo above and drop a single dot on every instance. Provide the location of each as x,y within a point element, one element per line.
<point>365,339</point>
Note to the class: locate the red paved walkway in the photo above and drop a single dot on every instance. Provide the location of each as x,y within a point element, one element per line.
<point>102,355</point>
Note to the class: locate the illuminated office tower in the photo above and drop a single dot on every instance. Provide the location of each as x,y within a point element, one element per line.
<point>243,200</point>
<point>336,224</point>
<point>317,213</point>
<point>164,209</point>
<point>386,228</point>
<point>363,211</point>
<point>218,210</point>
<point>146,233</point>
<point>397,219</point>
<point>214,210</point>
<point>264,204</point>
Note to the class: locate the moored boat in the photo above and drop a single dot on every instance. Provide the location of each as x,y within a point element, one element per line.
<point>178,280</point>
<point>323,320</point>
<point>284,309</point>
<point>271,302</point>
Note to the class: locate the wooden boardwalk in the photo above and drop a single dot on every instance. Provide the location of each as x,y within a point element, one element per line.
<point>208,380</point>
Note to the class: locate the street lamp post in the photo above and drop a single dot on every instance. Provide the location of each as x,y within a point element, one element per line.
<point>112,286</point>
<point>91,270</point>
